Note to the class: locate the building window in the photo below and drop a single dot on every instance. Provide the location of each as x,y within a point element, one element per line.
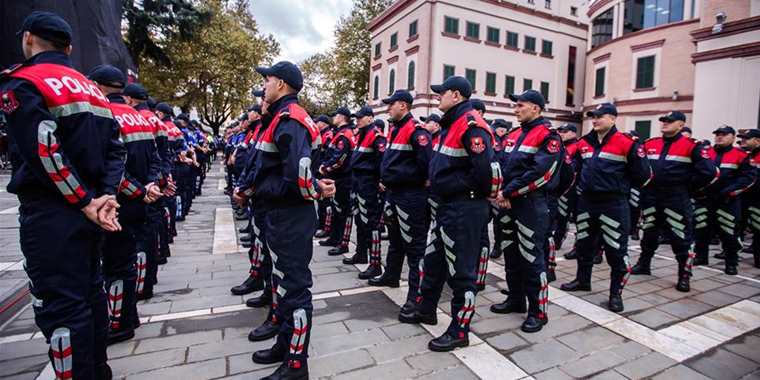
<point>473,30</point>
<point>643,14</point>
<point>643,128</point>
<point>448,71</point>
<point>512,39</point>
<point>410,76</point>
<point>493,34</point>
<point>509,85</point>
<point>570,87</point>
<point>392,81</point>
<point>491,83</point>
<point>413,29</point>
<point>394,41</point>
<point>645,72</point>
<point>376,88</point>
<point>546,48</point>
<point>548,4</point>
<point>527,84</point>
<point>471,76</point>
<point>599,81</point>
<point>574,11</point>
<point>377,50</point>
<point>530,44</point>
<point>451,25</point>
<point>601,28</point>
<point>545,90</point>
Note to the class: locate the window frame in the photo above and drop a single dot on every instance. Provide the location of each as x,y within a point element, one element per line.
<point>476,28</point>
<point>490,82</point>
<point>455,24</point>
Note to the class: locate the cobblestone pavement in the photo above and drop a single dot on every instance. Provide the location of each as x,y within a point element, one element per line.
<point>194,329</point>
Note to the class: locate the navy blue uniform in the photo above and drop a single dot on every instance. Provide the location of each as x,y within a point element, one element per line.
<point>607,170</point>
<point>337,166</point>
<point>404,173</point>
<point>461,177</point>
<point>68,143</point>
<point>752,198</point>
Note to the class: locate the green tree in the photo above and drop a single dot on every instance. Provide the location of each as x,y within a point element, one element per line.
<point>214,70</point>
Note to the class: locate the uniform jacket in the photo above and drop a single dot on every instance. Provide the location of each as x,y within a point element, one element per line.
<point>366,158</point>
<point>337,163</point>
<point>736,172</point>
<point>680,162</point>
<point>407,156</point>
<point>532,158</point>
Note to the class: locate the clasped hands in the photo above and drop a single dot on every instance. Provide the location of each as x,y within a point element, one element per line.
<point>102,211</point>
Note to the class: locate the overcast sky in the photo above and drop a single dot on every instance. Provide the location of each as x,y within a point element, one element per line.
<point>303,27</point>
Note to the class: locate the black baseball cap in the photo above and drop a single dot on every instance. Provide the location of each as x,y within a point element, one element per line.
<point>603,109</point>
<point>257,93</point>
<point>434,118</point>
<point>568,127</point>
<point>255,108</point>
<point>108,75</point>
<point>322,118</point>
<point>402,95</point>
<point>530,96</point>
<point>135,90</point>
<point>750,133</point>
<point>499,123</point>
<point>364,111</point>
<point>478,105</point>
<point>454,83</point>
<point>47,25</point>
<point>286,71</point>
<point>379,123</point>
<point>725,130</point>
<point>686,129</point>
<point>673,116</point>
<point>165,108</point>
<point>342,111</point>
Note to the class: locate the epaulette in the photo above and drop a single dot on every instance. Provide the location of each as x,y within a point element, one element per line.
<point>653,138</point>
<point>630,136</point>
<point>11,69</point>
<point>471,121</point>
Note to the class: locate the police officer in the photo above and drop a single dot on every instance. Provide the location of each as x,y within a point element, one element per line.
<point>462,176</point>
<point>326,130</point>
<point>136,96</point>
<point>718,208</point>
<point>365,183</point>
<point>66,197</point>
<point>184,169</point>
<point>337,166</point>
<point>500,128</point>
<point>533,158</point>
<point>680,165</point>
<point>433,126</point>
<point>138,187</point>
<point>608,163</point>
<point>567,202</point>
<point>403,173</point>
<point>485,251</point>
<point>751,142</point>
<point>165,112</point>
<point>282,182</point>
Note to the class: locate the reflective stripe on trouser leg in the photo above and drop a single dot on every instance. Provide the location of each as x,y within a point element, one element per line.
<point>328,219</point>
<point>375,249</point>
<point>543,296</point>
<point>115,298</point>
<point>464,315</point>
<point>300,331</point>
<point>61,353</point>
<point>347,231</point>
<point>552,258</point>
<point>142,265</point>
<point>482,267</point>
<point>404,227</point>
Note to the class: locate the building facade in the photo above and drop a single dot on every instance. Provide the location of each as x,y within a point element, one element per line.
<point>649,57</point>
<point>501,46</point>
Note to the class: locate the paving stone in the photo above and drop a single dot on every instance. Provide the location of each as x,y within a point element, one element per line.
<point>327,330</point>
<point>403,330</point>
<point>242,363</point>
<point>722,364</point>
<point>23,376</point>
<point>227,347</point>
<point>592,364</point>
<point>591,339</point>
<point>345,342</point>
<point>747,346</point>
<point>459,373</point>
<point>338,363</point>
<point>194,371</point>
<point>180,340</point>
<point>399,349</point>
<point>433,361</point>
<point>552,374</point>
<point>121,349</point>
<point>685,308</point>
<point>541,356</point>
<point>630,350</point>
<point>501,323</point>
<point>653,318</point>
<point>646,366</point>
<point>20,365</point>
<point>506,342</point>
<point>716,298</point>
<point>23,348</point>
<point>149,330</point>
<point>557,327</point>
<point>393,370</point>
<point>366,324</point>
<point>680,372</point>
<point>146,362</point>
<point>741,290</point>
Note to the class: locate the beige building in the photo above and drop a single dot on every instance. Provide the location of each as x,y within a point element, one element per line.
<point>649,57</point>
<point>500,46</point>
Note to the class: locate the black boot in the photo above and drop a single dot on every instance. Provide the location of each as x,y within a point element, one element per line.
<point>416,317</point>
<point>337,251</point>
<point>265,299</point>
<point>495,253</point>
<point>372,271</point>
<point>720,256</point>
<point>245,239</point>
<point>533,324</point>
<point>328,243</point>
<point>246,244</point>
<point>321,234</point>
<point>250,285</point>
<point>116,336</point>
<point>616,304</point>
<point>448,342</point>
<point>269,356</point>
<point>103,372</point>
<point>355,259</point>
<point>293,370</point>
<point>267,330</point>
<point>245,230</point>
<point>510,305</point>
<point>384,280</point>
<point>551,275</point>
<point>731,270</point>
<point>683,283</point>
<point>642,267</point>
<point>598,258</point>
<point>572,254</point>
<point>576,286</point>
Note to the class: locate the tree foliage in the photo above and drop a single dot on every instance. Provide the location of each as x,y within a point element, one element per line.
<point>345,68</point>
<point>214,70</point>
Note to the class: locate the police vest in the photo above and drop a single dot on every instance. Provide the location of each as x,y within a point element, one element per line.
<point>399,167</point>
<point>729,163</point>
<point>604,168</point>
<point>348,133</point>
<point>520,147</point>
<point>672,160</point>
<point>365,158</point>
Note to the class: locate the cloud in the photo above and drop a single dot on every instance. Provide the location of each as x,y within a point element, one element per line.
<point>303,27</point>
